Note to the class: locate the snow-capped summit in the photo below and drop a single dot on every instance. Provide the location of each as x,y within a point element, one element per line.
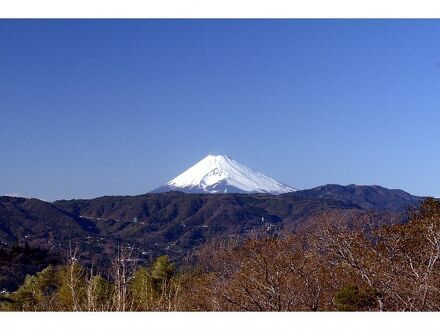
<point>222,174</point>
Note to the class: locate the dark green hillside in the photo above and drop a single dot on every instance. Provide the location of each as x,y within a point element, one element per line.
<point>175,223</point>
<point>366,197</point>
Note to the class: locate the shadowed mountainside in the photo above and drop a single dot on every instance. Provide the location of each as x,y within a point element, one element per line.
<point>174,223</point>
<point>367,197</point>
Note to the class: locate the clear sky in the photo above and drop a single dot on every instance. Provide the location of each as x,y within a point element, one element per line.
<point>91,108</point>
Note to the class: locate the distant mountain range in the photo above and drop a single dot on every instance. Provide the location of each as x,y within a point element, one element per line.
<point>366,197</point>
<point>230,199</point>
<point>218,174</point>
<point>178,217</point>
<point>175,222</point>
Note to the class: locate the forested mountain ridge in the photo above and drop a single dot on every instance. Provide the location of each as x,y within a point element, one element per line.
<point>175,223</point>
<point>367,197</point>
<point>355,267</point>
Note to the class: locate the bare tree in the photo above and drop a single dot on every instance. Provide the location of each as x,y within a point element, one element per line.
<point>123,267</point>
<point>76,278</point>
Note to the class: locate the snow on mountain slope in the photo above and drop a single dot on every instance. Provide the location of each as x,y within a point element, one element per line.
<point>222,174</point>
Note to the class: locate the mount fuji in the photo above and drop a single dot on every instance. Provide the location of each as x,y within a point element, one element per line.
<point>221,174</point>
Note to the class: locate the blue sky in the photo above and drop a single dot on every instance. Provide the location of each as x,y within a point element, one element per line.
<point>91,108</point>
